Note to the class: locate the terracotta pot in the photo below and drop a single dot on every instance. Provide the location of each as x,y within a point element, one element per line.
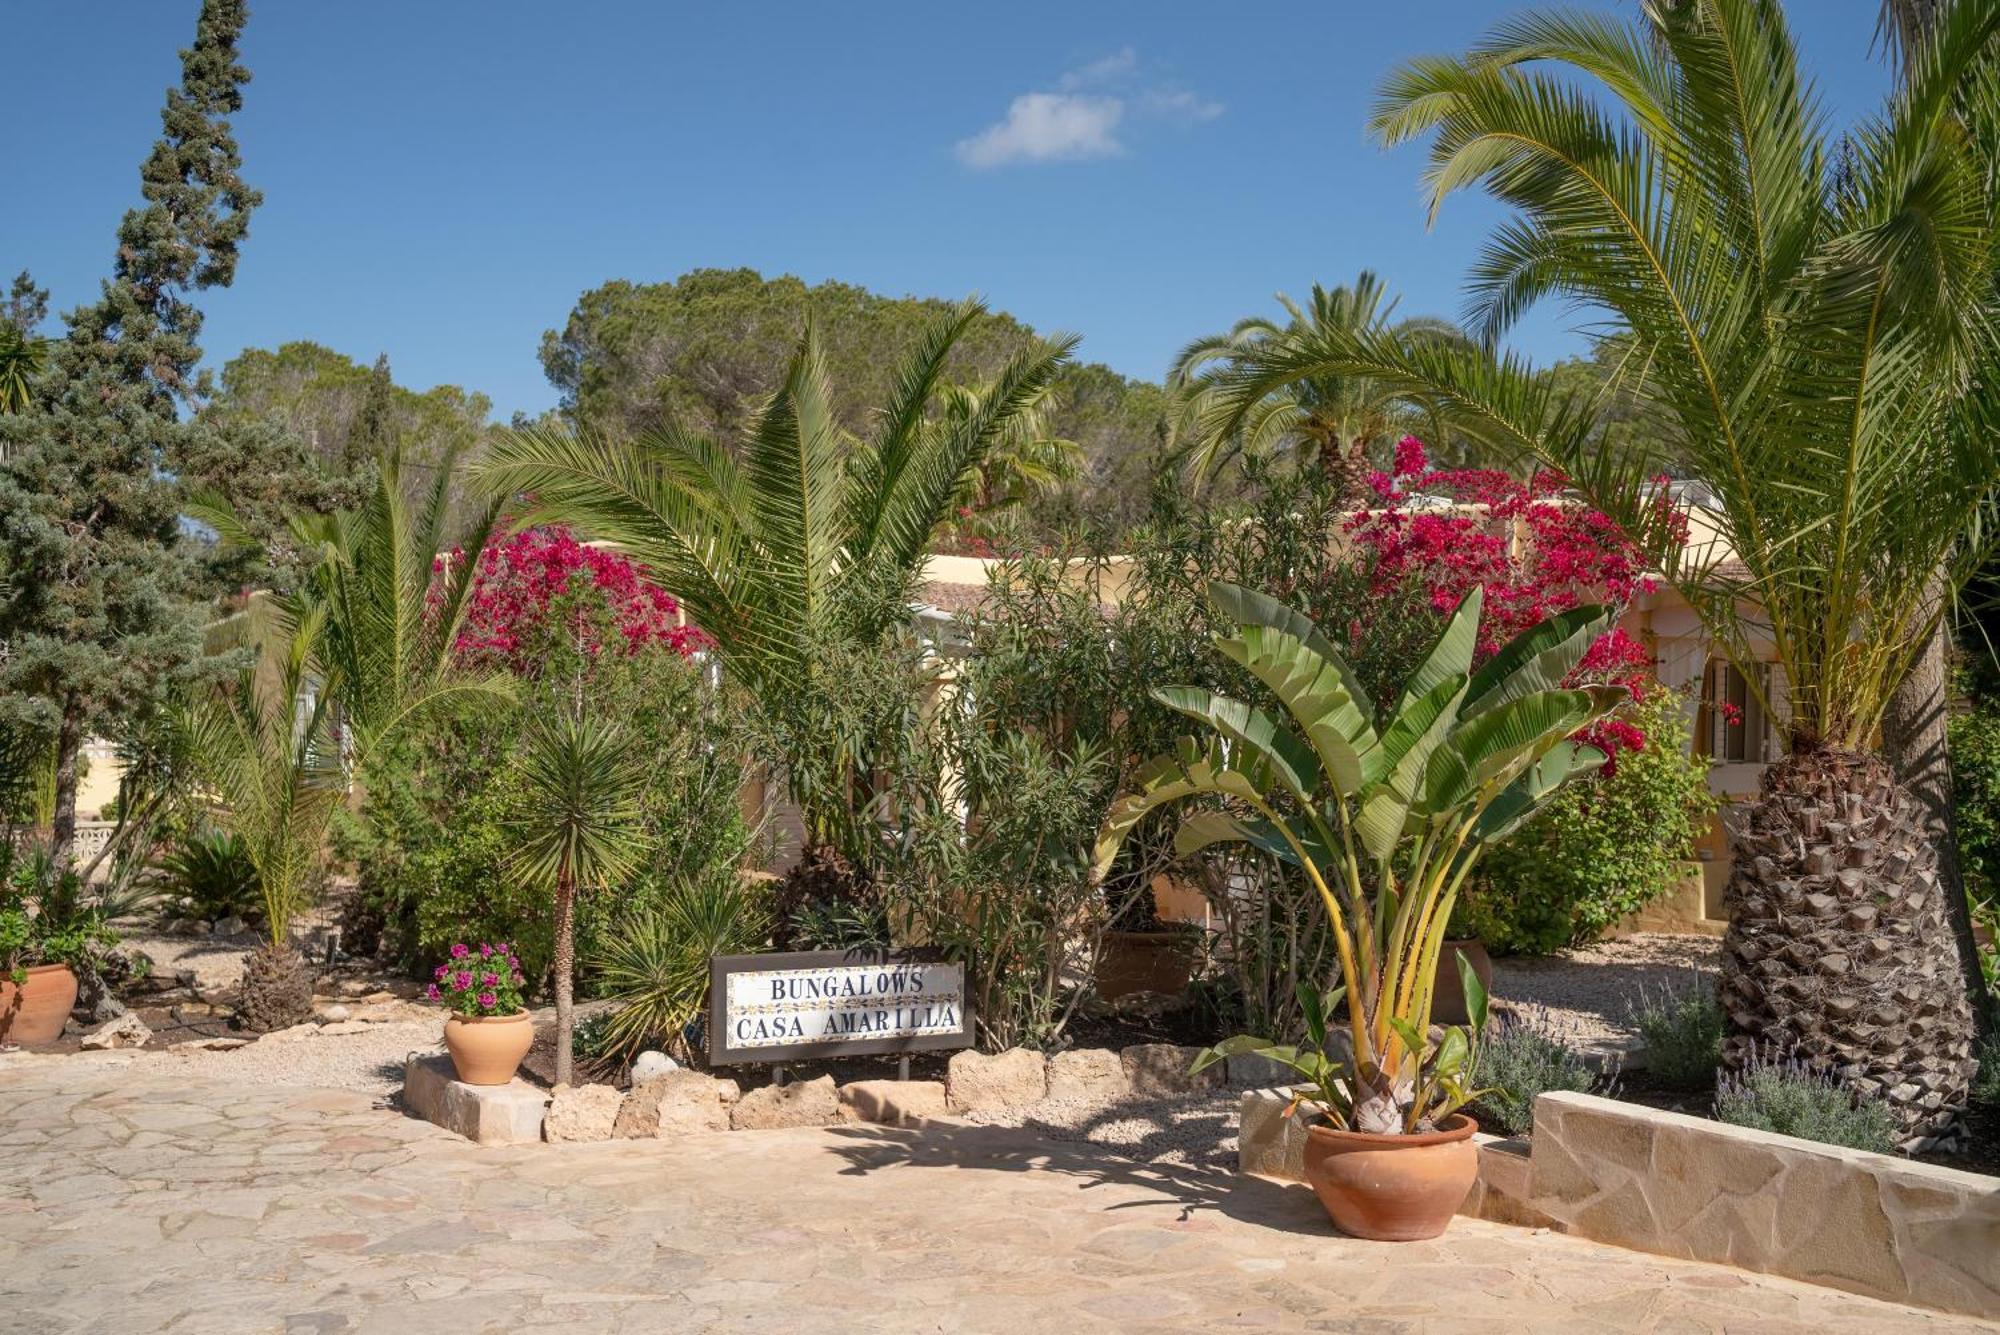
<point>36,1011</point>
<point>1131,962</point>
<point>1448,994</point>
<point>1393,1188</point>
<point>487,1049</point>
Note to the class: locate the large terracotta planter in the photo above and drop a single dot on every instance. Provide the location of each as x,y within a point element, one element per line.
<point>1393,1188</point>
<point>487,1049</point>
<point>1129,962</point>
<point>1448,994</point>
<point>36,1011</point>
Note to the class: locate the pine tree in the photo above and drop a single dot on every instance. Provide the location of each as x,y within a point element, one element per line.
<point>99,606</point>
<point>371,435</point>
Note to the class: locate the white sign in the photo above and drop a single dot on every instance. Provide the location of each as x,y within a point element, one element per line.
<point>769,1008</point>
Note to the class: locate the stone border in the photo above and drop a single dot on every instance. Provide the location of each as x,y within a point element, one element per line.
<point>1687,1187</point>
<point>679,1102</point>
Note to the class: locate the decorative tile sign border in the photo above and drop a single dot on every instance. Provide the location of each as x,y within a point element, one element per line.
<point>828,1003</point>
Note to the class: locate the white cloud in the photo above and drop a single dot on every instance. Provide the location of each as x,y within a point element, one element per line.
<point>1048,127</point>
<point>1083,118</point>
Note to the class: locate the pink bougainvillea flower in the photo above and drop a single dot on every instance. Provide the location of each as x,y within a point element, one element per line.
<point>1410,457</point>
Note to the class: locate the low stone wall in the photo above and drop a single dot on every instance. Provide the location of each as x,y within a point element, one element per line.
<point>1682,1186</point>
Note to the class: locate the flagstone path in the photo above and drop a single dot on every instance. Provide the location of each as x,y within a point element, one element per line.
<point>134,1202</point>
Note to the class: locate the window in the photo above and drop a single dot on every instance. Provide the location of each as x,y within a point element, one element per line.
<point>1732,726</point>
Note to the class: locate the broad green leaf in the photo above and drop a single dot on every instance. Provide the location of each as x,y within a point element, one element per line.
<point>1538,659</point>
<point>1288,754</point>
<point>1475,993</point>
<point>1450,657</point>
<point>1414,735</point>
<point>1248,607</point>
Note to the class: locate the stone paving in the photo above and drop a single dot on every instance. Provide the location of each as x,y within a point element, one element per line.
<point>135,1202</point>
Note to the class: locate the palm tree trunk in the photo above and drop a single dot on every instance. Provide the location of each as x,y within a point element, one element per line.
<point>565,969</point>
<point>1913,739</point>
<point>69,744</point>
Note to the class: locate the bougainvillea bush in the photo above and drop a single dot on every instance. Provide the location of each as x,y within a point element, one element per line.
<point>431,844</point>
<point>526,594</point>
<point>479,982</point>
<point>1444,532</point>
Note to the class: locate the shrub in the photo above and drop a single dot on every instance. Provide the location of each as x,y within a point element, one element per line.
<point>1986,1085</point>
<point>1681,1029</point>
<point>209,875</point>
<point>1522,1057</point>
<point>1794,1099</point>
<point>1602,850</point>
<point>654,964</point>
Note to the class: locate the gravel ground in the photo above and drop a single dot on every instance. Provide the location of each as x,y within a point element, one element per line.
<point>1584,994</point>
<point>1198,1130</point>
<point>216,960</point>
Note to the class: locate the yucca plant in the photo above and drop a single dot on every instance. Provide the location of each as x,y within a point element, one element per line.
<point>1810,319</point>
<point>655,965</point>
<point>1385,815</point>
<point>802,541</point>
<point>578,828</point>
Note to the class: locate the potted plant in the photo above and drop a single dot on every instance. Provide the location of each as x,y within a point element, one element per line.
<point>1142,952</point>
<point>1385,817</point>
<point>41,949</point>
<point>489,1030</point>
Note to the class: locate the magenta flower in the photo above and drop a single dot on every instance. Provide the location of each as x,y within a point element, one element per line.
<point>485,951</point>
<point>490,979</point>
<point>487,1000</point>
<point>439,972</point>
<point>462,980</point>
<point>460,950</point>
<point>433,993</point>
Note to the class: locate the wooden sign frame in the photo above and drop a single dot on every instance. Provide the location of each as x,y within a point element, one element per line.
<point>723,1052</point>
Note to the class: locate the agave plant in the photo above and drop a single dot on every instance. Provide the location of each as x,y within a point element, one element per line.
<point>1385,815</point>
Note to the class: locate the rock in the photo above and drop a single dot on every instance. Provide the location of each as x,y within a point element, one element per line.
<point>127,1031</point>
<point>107,1009</point>
<point>395,1012</point>
<point>893,1102</point>
<point>220,1043</point>
<point>229,926</point>
<point>1250,1071</point>
<point>1150,1005</point>
<point>356,987</point>
<point>1012,1079</point>
<point>801,1103</point>
<point>1094,1075</point>
<point>186,978</point>
<point>335,1013</point>
<point>675,1103</point>
<point>1267,1141</point>
<point>1159,1070</point>
<point>293,1034</point>
<point>647,1065</point>
<point>581,1113</point>
<point>509,1114</point>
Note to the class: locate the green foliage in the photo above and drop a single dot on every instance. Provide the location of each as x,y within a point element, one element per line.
<point>1329,421</point>
<point>1820,372</point>
<point>1680,1032</point>
<point>700,352</point>
<point>1415,793</point>
<point>1986,1087</point>
<point>1973,739</point>
<point>803,548</point>
<point>1518,1059</point>
<point>1599,851</point>
<point>45,918</point>
<point>211,875</point>
<point>99,594</point>
<point>1793,1099</point>
<point>654,961</point>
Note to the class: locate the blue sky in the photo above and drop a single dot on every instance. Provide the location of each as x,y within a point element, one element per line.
<point>443,178</point>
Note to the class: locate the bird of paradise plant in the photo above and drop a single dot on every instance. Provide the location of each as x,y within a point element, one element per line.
<point>1385,816</point>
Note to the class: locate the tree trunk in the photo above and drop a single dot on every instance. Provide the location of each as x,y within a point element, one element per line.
<point>1913,740</point>
<point>565,967</point>
<point>69,744</point>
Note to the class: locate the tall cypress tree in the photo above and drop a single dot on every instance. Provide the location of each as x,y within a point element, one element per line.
<point>99,595</point>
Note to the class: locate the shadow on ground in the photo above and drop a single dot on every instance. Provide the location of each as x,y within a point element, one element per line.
<point>1185,1189</point>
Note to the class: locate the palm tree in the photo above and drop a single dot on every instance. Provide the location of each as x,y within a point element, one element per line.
<point>1813,319</point>
<point>1327,418</point>
<point>20,362</point>
<point>266,749</point>
<point>1027,460</point>
<point>809,542</point>
<point>371,628</point>
<point>579,828</point>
